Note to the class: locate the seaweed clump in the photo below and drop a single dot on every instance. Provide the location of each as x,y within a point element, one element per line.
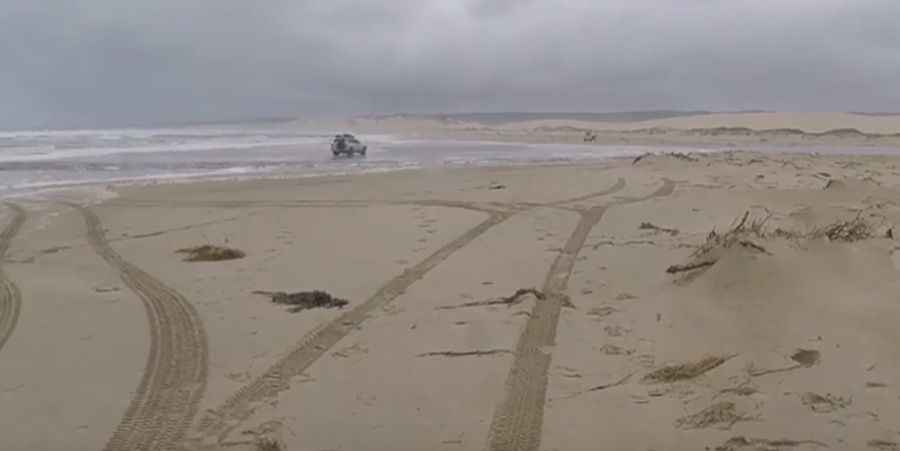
<point>304,300</point>
<point>210,253</point>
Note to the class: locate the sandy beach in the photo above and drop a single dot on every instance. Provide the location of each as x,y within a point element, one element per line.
<point>645,330</point>
<point>472,225</point>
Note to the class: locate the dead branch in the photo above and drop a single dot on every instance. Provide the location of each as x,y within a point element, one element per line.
<point>740,226</point>
<point>611,385</point>
<point>752,245</point>
<point>674,269</point>
<point>654,227</point>
<point>478,353</point>
<point>508,301</point>
<point>757,373</point>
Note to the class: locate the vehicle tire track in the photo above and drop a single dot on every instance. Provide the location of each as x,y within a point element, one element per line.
<point>620,184</point>
<point>518,421</point>
<point>218,423</point>
<point>474,206</point>
<point>10,297</point>
<point>174,377</point>
<point>246,203</point>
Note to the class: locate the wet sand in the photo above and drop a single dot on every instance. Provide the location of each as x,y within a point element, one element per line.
<point>785,340</point>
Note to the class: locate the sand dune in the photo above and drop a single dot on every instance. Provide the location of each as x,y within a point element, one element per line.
<point>807,122</point>
<point>713,129</point>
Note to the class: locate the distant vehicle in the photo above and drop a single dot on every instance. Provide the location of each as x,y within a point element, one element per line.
<point>347,144</point>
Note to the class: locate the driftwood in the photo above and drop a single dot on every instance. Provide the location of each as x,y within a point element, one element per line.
<point>507,301</point>
<point>654,227</point>
<point>611,385</point>
<point>674,269</point>
<point>478,353</point>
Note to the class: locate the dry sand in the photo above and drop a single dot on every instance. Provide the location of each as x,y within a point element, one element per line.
<point>120,341</point>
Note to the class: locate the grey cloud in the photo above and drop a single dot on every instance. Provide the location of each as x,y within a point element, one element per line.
<point>108,62</point>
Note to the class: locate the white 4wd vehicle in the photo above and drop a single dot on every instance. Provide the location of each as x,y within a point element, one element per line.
<point>348,145</point>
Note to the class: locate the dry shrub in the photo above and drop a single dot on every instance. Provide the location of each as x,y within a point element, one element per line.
<point>210,253</point>
<point>851,230</point>
<point>685,371</point>
<point>739,234</point>
<point>750,230</point>
<point>856,229</point>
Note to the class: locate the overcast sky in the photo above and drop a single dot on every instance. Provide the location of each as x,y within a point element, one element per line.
<point>117,62</point>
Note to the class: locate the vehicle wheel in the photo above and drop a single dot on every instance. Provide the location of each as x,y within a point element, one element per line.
<point>363,151</point>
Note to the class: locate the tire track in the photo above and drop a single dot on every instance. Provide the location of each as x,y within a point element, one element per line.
<point>219,422</point>
<point>247,203</point>
<point>10,297</point>
<point>620,184</point>
<point>518,421</point>
<point>474,206</point>
<point>174,377</point>
<point>487,207</point>
<point>198,225</point>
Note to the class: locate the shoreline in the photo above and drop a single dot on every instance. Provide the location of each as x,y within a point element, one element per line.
<point>52,189</point>
<point>414,142</point>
